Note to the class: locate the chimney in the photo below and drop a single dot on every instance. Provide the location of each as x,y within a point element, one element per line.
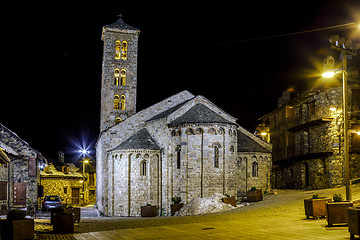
<point>284,98</point>
<point>61,156</point>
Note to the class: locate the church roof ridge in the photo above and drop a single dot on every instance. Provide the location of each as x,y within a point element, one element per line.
<point>199,113</point>
<point>139,140</point>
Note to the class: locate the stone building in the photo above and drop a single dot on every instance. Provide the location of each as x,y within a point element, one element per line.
<point>67,181</point>
<point>306,132</point>
<point>5,153</point>
<point>182,146</point>
<point>23,170</point>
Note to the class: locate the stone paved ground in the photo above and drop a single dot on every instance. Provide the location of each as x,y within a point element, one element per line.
<point>279,216</point>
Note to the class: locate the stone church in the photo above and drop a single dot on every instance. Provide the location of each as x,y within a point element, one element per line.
<point>182,146</point>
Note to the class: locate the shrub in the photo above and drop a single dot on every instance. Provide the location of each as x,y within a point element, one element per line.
<point>176,200</point>
<point>315,196</point>
<point>337,197</point>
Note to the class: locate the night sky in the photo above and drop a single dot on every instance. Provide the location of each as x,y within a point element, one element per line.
<point>231,52</point>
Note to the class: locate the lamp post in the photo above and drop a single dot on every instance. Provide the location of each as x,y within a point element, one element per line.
<point>345,48</point>
<point>84,152</point>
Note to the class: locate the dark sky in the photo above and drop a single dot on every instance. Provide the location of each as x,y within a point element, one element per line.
<point>225,51</point>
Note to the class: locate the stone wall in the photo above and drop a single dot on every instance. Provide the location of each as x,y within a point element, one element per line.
<point>62,187</point>
<point>308,140</point>
<point>19,166</point>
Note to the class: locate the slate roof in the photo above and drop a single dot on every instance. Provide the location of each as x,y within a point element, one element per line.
<point>246,144</point>
<point>168,112</point>
<point>120,24</point>
<point>199,113</point>
<point>139,140</point>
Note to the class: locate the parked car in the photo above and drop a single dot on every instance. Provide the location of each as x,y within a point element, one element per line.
<point>51,202</point>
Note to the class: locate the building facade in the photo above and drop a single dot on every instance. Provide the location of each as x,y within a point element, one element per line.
<point>183,146</point>
<point>306,132</point>
<point>71,183</point>
<point>22,188</point>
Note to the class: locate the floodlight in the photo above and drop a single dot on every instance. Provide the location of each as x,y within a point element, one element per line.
<point>334,38</point>
<point>329,74</point>
<point>348,43</point>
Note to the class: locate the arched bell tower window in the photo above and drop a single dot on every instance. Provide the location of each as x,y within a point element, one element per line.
<point>122,102</point>
<point>116,77</point>
<point>116,102</point>
<point>123,77</point>
<point>117,50</point>
<point>124,50</point>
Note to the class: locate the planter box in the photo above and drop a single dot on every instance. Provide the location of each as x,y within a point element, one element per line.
<point>354,221</point>
<point>54,211</point>
<point>315,207</point>
<point>63,222</point>
<point>76,211</point>
<point>229,200</point>
<point>336,212</point>
<point>148,211</point>
<point>175,207</point>
<point>17,230</point>
<point>254,196</point>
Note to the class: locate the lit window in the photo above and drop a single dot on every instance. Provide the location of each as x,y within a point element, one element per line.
<point>117,50</point>
<point>124,50</point>
<point>116,102</point>
<point>123,77</point>
<point>116,77</point>
<point>122,102</point>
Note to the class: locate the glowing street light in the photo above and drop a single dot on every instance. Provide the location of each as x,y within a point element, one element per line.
<point>345,47</point>
<point>84,151</point>
<point>328,74</point>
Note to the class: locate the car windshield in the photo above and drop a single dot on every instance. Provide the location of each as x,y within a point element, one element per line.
<point>52,198</point>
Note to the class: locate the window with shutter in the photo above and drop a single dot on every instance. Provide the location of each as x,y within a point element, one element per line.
<point>32,167</point>
<point>3,190</point>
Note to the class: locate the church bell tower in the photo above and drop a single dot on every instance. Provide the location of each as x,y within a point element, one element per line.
<point>119,73</point>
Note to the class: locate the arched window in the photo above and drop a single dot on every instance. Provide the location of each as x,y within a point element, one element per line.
<point>124,50</point>
<point>143,168</point>
<point>117,50</point>
<point>118,120</point>
<point>122,102</point>
<point>123,77</point>
<point>178,157</point>
<point>116,102</point>
<point>255,169</point>
<point>216,156</point>
<point>116,77</point>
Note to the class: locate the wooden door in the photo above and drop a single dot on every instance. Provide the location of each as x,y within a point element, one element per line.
<point>75,194</point>
<point>19,194</point>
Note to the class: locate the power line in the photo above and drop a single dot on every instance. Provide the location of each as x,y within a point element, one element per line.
<point>250,39</point>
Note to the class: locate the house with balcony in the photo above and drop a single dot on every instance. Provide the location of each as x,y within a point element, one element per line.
<point>306,132</point>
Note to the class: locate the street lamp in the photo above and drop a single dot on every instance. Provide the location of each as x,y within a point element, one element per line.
<point>345,48</point>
